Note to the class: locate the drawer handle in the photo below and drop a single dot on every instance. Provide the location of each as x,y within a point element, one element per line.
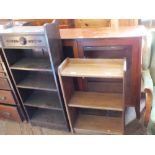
<point>2,98</point>
<point>6,114</point>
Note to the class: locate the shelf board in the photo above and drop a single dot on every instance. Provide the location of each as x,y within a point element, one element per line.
<point>32,64</point>
<point>92,124</point>
<point>94,100</point>
<point>42,99</point>
<point>38,81</point>
<point>48,118</point>
<point>100,68</point>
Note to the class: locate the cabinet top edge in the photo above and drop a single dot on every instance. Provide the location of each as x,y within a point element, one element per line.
<point>103,32</point>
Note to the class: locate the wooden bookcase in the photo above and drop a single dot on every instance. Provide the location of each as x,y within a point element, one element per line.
<point>93,112</point>
<point>121,42</point>
<point>33,54</point>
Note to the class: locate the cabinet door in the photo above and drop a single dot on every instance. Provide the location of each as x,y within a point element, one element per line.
<point>128,48</point>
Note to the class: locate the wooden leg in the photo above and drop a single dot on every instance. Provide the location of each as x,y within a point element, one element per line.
<point>137,110</point>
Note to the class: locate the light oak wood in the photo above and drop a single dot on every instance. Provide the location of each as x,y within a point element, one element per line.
<point>93,100</point>
<point>101,68</point>
<point>98,125</point>
<point>149,98</point>
<point>75,101</point>
<point>85,23</point>
<point>103,32</point>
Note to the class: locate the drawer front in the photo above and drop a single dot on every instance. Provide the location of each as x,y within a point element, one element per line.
<point>9,113</point>
<point>4,84</point>
<point>1,68</point>
<point>2,75</point>
<point>6,97</point>
<point>24,41</point>
<point>0,58</point>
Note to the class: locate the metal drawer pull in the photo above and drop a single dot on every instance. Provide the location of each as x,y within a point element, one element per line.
<point>6,114</point>
<point>2,98</point>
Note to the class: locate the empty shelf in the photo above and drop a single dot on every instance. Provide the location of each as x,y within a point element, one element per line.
<point>101,68</point>
<point>93,100</point>
<point>92,124</point>
<point>38,81</point>
<point>32,64</point>
<point>42,99</point>
<point>48,118</point>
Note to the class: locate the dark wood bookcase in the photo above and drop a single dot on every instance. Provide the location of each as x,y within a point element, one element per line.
<point>33,54</point>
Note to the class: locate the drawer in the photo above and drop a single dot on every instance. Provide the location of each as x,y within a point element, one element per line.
<point>2,67</point>
<point>2,75</point>
<point>4,84</point>
<point>9,113</point>
<point>6,97</point>
<point>0,58</point>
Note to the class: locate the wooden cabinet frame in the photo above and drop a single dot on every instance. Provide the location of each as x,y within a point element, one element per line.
<point>134,43</point>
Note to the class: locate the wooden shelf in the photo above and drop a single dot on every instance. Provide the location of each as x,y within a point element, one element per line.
<point>44,117</point>
<point>38,81</point>
<point>100,68</point>
<point>32,64</point>
<point>92,124</point>
<point>94,100</point>
<point>42,99</point>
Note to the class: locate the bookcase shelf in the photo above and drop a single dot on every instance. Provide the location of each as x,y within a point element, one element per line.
<point>96,100</point>
<point>46,118</point>
<point>88,124</point>
<point>33,57</point>
<point>32,64</point>
<point>97,104</point>
<point>43,99</point>
<point>100,68</point>
<point>36,80</point>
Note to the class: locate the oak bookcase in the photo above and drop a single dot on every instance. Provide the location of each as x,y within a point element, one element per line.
<point>93,112</point>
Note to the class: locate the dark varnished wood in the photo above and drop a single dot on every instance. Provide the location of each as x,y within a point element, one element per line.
<point>9,101</point>
<point>130,38</point>
<point>47,118</point>
<point>41,99</point>
<point>39,81</point>
<point>6,97</point>
<point>9,113</point>
<point>4,84</point>
<point>32,64</point>
<point>33,67</point>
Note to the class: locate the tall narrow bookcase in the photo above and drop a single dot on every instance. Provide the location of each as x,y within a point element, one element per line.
<point>33,54</point>
<point>93,112</point>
